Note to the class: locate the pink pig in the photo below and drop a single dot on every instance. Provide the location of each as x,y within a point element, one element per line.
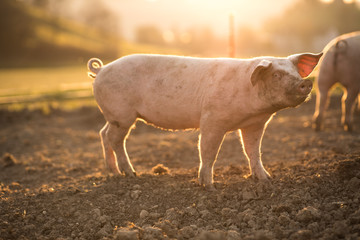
<point>215,95</point>
<point>341,64</point>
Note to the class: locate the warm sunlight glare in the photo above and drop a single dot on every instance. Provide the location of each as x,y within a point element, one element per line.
<point>185,15</point>
<point>168,36</point>
<point>345,1</point>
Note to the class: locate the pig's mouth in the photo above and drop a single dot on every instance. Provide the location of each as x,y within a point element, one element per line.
<point>300,98</point>
<point>292,100</point>
<point>296,98</point>
<point>304,98</point>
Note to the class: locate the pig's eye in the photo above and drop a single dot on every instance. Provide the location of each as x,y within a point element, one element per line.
<point>277,75</point>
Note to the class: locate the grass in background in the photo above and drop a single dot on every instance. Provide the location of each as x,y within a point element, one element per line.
<point>58,87</point>
<point>37,80</point>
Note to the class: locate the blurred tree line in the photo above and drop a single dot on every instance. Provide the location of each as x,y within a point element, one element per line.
<point>199,40</point>
<point>34,34</point>
<point>308,25</point>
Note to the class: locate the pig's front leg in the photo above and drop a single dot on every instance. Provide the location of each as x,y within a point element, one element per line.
<point>209,144</point>
<point>251,140</point>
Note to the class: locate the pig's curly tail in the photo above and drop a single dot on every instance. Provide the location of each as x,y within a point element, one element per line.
<point>94,66</point>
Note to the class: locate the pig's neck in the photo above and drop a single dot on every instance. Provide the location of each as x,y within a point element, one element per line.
<point>266,107</point>
<point>261,104</point>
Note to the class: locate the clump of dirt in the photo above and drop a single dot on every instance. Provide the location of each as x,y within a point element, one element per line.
<point>160,169</point>
<point>53,184</point>
<point>349,169</point>
<point>8,160</point>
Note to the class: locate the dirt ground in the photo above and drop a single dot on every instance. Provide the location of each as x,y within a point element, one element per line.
<point>53,184</point>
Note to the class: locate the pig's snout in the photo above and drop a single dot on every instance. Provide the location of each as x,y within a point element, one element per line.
<point>305,87</point>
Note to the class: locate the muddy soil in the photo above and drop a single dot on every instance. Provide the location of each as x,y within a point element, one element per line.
<point>53,184</point>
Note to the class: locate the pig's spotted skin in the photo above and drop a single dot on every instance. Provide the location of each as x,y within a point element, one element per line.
<point>217,96</point>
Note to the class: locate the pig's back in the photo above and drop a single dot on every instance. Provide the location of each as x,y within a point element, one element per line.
<point>341,59</point>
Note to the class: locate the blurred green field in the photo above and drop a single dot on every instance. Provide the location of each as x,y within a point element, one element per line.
<point>37,87</point>
<point>37,80</point>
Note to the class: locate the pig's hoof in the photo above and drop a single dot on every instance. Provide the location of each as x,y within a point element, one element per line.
<point>205,181</point>
<point>131,174</point>
<point>261,177</point>
<point>210,188</point>
<point>348,128</point>
<point>115,171</point>
<point>268,178</point>
<point>316,124</point>
<point>316,127</point>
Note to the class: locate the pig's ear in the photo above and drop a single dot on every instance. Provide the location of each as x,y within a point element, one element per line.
<point>259,69</point>
<point>305,62</point>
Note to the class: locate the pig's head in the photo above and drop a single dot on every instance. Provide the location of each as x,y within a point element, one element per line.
<point>280,81</point>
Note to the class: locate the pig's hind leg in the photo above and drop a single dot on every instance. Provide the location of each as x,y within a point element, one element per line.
<point>348,100</point>
<point>110,160</point>
<point>321,104</point>
<point>115,135</point>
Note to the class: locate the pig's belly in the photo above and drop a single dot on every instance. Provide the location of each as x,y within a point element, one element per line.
<point>170,118</point>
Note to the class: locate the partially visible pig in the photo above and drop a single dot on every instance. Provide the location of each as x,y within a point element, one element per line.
<point>216,95</point>
<point>341,63</point>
